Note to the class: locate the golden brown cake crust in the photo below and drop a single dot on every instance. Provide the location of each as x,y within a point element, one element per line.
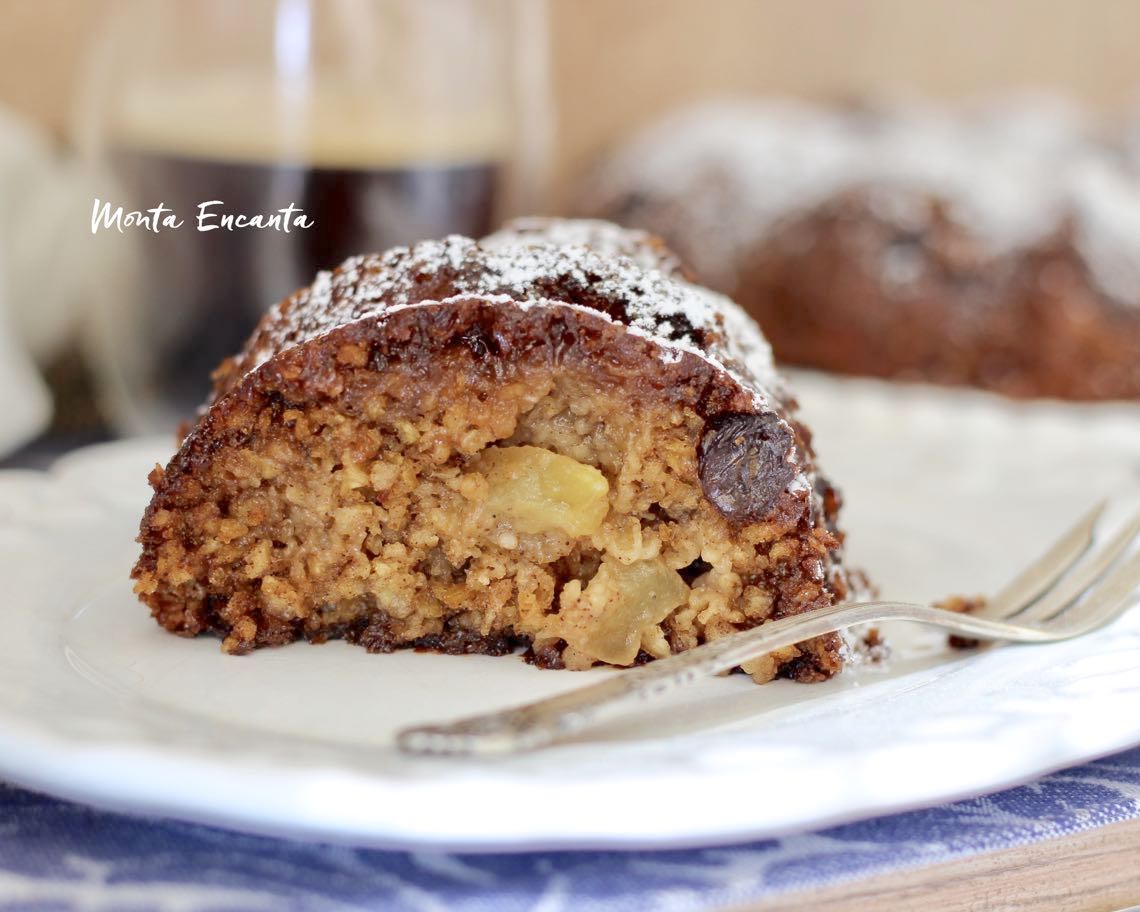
<point>338,483</point>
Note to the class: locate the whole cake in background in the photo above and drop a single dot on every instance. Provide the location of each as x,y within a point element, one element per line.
<point>545,439</point>
<point>998,247</point>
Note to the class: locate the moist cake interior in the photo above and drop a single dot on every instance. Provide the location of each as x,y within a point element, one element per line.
<point>466,509</point>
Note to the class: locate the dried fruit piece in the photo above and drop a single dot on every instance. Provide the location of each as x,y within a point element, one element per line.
<point>621,603</point>
<point>536,490</point>
<point>743,463</point>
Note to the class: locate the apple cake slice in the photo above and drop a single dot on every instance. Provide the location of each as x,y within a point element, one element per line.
<point>547,440</point>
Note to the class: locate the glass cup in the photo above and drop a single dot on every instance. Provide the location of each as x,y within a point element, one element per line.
<point>277,138</point>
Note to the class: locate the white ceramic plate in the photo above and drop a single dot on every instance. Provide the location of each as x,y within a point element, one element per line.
<point>947,492</point>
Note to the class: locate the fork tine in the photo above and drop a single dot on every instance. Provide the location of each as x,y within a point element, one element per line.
<point>1103,603</point>
<point>1039,576</point>
<point>1070,588</point>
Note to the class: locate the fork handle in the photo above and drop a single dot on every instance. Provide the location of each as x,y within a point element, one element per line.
<point>539,723</point>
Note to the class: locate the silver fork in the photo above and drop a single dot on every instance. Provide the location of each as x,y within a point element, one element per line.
<point>1057,597</point>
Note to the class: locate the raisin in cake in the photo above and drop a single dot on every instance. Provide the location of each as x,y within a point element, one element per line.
<point>548,440</point>
<point>997,247</point>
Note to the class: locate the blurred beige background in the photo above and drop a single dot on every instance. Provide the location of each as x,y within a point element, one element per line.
<point>617,63</point>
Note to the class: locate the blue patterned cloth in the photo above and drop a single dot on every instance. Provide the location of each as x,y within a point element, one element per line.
<point>55,855</point>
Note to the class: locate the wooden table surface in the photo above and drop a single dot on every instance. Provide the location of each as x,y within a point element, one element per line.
<point>1097,870</point>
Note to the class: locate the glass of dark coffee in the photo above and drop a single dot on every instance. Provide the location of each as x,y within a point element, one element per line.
<point>240,147</point>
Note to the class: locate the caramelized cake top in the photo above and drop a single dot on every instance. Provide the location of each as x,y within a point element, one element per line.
<point>627,276</point>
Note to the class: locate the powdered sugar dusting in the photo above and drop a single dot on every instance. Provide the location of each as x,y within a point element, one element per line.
<point>723,173</point>
<point>719,177</point>
<point>600,236</point>
<point>531,267</point>
<point>1106,228</point>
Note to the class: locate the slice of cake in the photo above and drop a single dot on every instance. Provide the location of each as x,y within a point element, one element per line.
<point>547,439</point>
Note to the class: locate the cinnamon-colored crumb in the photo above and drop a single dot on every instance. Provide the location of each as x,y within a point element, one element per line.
<point>961,604</point>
